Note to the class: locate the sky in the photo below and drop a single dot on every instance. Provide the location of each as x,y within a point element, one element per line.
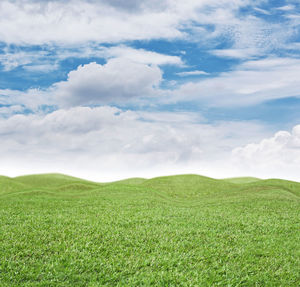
<point>111,89</point>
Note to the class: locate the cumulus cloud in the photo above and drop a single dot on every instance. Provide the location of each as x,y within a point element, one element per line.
<point>277,156</point>
<point>121,80</point>
<point>117,80</point>
<point>108,143</point>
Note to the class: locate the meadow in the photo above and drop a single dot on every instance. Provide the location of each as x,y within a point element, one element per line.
<point>185,230</point>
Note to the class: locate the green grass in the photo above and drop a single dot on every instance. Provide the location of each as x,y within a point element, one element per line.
<point>184,230</point>
<point>242,179</point>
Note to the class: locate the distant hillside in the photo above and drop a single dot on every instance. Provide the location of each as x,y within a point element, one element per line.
<point>47,180</point>
<point>183,230</point>
<point>241,179</point>
<point>179,188</point>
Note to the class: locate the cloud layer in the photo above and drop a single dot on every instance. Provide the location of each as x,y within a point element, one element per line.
<point>110,86</point>
<point>107,143</point>
<point>79,21</point>
<point>76,21</point>
<point>277,156</point>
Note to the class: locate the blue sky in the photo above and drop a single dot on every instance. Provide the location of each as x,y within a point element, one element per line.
<point>113,89</point>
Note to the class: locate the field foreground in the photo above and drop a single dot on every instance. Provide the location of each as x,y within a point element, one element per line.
<point>185,230</point>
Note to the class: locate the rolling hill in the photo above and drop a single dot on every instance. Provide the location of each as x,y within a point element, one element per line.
<point>184,230</point>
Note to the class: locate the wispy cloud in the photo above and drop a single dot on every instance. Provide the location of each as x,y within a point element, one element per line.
<point>47,60</point>
<point>192,73</point>
<point>13,59</point>
<point>245,53</point>
<point>140,55</point>
<point>250,83</point>
<point>263,11</point>
<point>289,7</point>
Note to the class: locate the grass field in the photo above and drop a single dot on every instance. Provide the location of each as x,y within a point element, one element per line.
<point>184,230</point>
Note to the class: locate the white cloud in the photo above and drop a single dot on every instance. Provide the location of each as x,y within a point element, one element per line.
<point>277,156</point>
<point>73,23</point>
<point>249,36</point>
<point>41,68</point>
<point>121,80</point>
<point>141,56</point>
<point>117,80</point>
<point>293,46</point>
<point>107,143</point>
<point>192,73</point>
<point>246,53</point>
<point>79,21</point>
<point>250,83</point>
<point>31,99</point>
<point>286,7</point>
<point>13,59</point>
<point>294,20</point>
<point>8,111</point>
<point>263,11</point>
<point>49,58</point>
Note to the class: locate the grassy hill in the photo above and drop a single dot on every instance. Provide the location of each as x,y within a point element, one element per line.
<point>48,180</point>
<point>185,230</point>
<point>242,179</point>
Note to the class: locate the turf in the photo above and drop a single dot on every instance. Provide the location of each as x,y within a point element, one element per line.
<point>184,230</point>
<point>242,179</point>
